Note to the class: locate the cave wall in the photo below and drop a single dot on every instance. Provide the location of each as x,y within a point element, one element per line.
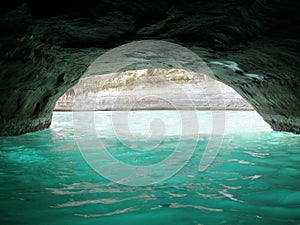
<point>46,46</point>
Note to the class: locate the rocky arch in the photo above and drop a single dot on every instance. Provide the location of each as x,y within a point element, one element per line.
<point>136,71</point>
<point>252,45</point>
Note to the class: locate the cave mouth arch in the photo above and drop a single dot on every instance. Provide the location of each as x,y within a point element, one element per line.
<point>147,54</point>
<point>150,55</point>
<point>143,59</point>
<point>149,63</point>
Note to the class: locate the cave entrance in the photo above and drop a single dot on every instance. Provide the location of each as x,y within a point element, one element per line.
<point>152,75</point>
<point>147,75</point>
<point>133,84</point>
<point>151,89</point>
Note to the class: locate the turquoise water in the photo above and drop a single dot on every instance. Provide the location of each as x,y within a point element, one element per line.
<point>254,179</point>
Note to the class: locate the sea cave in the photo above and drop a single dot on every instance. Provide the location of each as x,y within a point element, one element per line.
<point>153,112</point>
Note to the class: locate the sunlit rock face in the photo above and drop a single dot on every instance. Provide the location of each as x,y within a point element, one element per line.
<point>251,45</point>
<point>151,89</point>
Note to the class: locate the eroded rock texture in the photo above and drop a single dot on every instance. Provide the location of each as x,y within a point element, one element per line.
<point>251,45</point>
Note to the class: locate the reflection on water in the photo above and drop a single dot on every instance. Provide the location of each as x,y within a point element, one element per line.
<point>255,178</point>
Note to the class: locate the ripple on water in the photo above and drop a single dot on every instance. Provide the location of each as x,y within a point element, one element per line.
<point>255,179</point>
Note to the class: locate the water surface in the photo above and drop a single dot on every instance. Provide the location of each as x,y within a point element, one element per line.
<point>255,178</point>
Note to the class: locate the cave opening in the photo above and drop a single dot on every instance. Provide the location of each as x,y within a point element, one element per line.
<point>151,75</point>
<point>148,93</point>
<point>142,110</point>
<point>152,131</point>
<point>150,134</point>
<point>150,89</point>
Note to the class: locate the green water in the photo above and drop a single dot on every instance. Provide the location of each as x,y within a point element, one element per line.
<point>254,179</point>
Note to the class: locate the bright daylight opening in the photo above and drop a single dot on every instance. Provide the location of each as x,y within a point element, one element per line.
<point>145,92</point>
<point>151,107</point>
<point>124,119</point>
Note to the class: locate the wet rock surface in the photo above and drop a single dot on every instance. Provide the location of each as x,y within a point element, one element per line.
<point>251,45</point>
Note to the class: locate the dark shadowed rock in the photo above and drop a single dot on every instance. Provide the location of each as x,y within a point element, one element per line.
<point>250,45</point>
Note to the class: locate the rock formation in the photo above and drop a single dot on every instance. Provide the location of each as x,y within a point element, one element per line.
<point>151,89</point>
<point>250,45</point>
